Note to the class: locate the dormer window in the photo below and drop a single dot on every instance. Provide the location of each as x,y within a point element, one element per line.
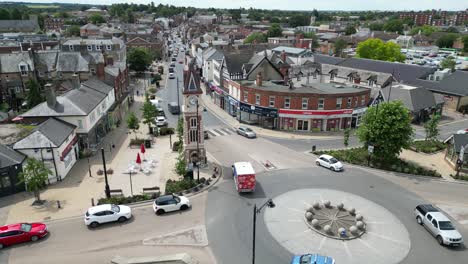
<point>109,47</point>
<point>98,47</point>
<point>71,48</point>
<point>23,70</point>
<point>90,47</point>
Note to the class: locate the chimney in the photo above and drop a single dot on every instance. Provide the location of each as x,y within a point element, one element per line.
<point>259,80</point>
<point>50,95</point>
<point>75,81</point>
<point>283,56</point>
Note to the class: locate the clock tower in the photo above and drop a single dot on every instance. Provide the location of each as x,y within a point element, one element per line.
<point>194,144</point>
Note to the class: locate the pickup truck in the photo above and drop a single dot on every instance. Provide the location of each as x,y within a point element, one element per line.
<point>438,225</point>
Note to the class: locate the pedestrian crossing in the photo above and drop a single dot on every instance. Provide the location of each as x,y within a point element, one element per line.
<point>221,131</point>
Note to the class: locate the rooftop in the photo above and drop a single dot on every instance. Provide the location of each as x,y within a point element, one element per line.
<point>9,157</point>
<point>51,133</point>
<point>312,88</point>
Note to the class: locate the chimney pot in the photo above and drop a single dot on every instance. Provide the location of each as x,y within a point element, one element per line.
<point>50,95</point>
<point>75,81</point>
<point>259,81</point>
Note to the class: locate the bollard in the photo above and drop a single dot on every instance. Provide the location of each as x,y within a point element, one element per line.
<point>58,204</point>
<point>92,201</point>
<point>313,147</point>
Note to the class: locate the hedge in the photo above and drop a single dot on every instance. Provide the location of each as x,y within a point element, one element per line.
<point>125,200</point>
<point>427,146</point>
<point>166,131</point>
<point>179,186</point>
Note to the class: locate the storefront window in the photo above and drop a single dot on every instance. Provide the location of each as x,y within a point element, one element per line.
<point>272,101</point>
<point>338,103</point>
<point>305,103</point>
<point>320,104</point>
<point>257,99</point>
<point>287,102</point>
<point>348,104</point>
<point>363,100</point>
<point>246,97</point>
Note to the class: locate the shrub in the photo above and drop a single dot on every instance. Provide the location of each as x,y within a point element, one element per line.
<point>125,199</point>
<point>427,146</point>
<point>136,141</point>
<point>110,171</point>
<point>179,186</point>
<point>166,131</point>
<point>176,145</point>
<point>152,90</point>
<point>100,172</point>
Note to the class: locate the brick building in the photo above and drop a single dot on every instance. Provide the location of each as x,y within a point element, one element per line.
<point>53,23</point>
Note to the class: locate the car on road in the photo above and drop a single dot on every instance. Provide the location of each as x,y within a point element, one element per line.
<point>463,131</point>
<point>329,162</point>
<point>312,259</point>
<point>173,59</point>
<point>171,75</point>
<point>106,213</point>
<point>205,135</point>
<point>438,225</point>
<point>172,65</point>
<point>161,121</point>
<point>246,132</point>
<point>168,203</point>
<point>21,232</point>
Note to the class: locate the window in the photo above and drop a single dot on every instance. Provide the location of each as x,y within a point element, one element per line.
<point>80,124</point>
<point>193,135</point>
<point>98,47</point>
<point>332,76</point>
<point>434,223</point>
<point>18,89</point>
<point>348,104</point>
<point>71,48</point>
<point>257,99</point>
<point>321,102</point>
<point>24,70</point>
<point>363,100</point>
<point>338,103</point>
<point>246,97</point>
<point>93,71</point>
<point>370,82</point>
<point>109,47</point>
<point>305,103</point>
<point>314,75</point>
<point>287,102</point>
<point>271,101</point>
<point>90,48</point>
<point>193,122</point>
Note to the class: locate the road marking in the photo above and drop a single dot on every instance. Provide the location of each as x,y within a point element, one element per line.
<point>370,247</point>
<point>388,238</point>
<point>348,252</point>
<point>226,130</point>
<point>219,132</point>
<point>322,242</point>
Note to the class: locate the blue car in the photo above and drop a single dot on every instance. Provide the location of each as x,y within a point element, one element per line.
<point>312,259</point>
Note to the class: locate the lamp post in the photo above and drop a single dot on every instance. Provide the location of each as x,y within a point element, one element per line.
<point>256,211</point>
<point>107,188</point>
<point>131,185</point>
<point>89,168</point>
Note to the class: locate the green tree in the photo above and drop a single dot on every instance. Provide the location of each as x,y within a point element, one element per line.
<point>180,130</point>
<point>96,19</point>
<point>394,25</point>
<point>15,14</point>
<point>299,20</point>
<point>376,26</point>
<point>431,127</point>
<point>275,20</point>
<point>340,45</point>
<point>34,96</point>
<point>34,176</point>
<point>275,31</point>
<point>73,31</point>
<point>350,30</point>
<point>257,37</point>
<point>130,18</point>
<point>4,14</point>
<point>448,63</point>
<point>133,123</point>
<point>149,113</point>
<point>376,49</point>
<point>235,14</point>
<point>139,59</point>
<point>388,130</point>
<point>425,30</point>
<point>452,30</point>
<point>446,41</point>
<point>346,135</point>
<point>465,43</point>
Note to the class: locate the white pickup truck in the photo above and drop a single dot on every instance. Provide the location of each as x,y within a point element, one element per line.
<point>438,225</point>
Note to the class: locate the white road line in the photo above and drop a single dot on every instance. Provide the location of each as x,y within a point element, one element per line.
<point>389,239</point>
<point>370,247</point>
<point>348,252</point>
<point>295,210</point>
<point>322,242</point>
<point>217,133</point>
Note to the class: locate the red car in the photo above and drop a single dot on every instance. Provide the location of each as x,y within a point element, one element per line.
<point>22,232</point>
<point>181,62</point>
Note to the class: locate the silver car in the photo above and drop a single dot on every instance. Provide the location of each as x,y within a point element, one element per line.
<point>246,132</point>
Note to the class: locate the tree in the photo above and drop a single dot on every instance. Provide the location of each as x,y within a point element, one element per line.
<point>376,49</point>
<point>96,19</point>
<point>311,35</point>
<point>425,30</point>
<point>275,31</point>
<point>34,96</point>
<point>257,37</point>
<point>340,45</point>
<point>181,165</point>
<point>275,20</point>
<point>465,43</point>
<point>346,134</point>
<point>34,176</point>
<point>448,63</point>
<point>83,8</point>
<point>376,26</point>
<point>446,41</point>
<point>4,14</point>
<point>431,127</point>
<point>15,14</point>
<point>149,113</point>
<point>139,59</point>
<point>180,130</point>
<point>388,130</point>
<point>350,30</point>
<point>133,123</point>
<point>235,14</point>
<point>394,25</point>
<point>299,20</point>
<point>129,17</point>
<point>73,31</point>
<point>315,13</point>
<point>452,30</point>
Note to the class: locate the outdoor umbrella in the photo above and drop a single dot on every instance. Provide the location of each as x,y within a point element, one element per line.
<point>143,150</point>
<point>138,160</point>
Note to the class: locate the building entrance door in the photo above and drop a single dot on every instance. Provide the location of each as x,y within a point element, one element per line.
<point>303,125</point>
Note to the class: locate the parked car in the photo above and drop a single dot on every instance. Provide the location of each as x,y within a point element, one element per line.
<point>172,64</point>
<point>438,225</point>
<point>106,213</point>
<point>161,121</point>
<point>21,232</point>
<point>173,59</point>
<point>329,162</point>
<point>463,131</point>
<point>171,75</point>
<point>312,259</point>
<point>169,203</point>
<point>246,132</point>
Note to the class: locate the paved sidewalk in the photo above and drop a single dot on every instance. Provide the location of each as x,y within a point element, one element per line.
<point>233,122</point>
<point>430,161</point>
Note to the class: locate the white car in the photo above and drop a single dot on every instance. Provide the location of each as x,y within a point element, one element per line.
<point>106,213</point>
<point>171,75</point>
<point>329,162</point>
<point>246,132</point>
<point>161,121</point>
<point>169,203</point>
<point>463,131</point>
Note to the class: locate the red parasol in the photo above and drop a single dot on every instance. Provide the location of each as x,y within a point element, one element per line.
<point>142,148</point>
<point>138,160</point>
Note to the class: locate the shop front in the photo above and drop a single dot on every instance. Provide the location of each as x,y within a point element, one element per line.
<point>257,115</point>
<point>314,120</point>
<point>218,95</point>
<point>357,116</point>
<point>233,106</point>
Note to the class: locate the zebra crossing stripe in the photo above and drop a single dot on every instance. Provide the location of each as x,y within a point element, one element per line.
<point>211,133</point>
<point>218,132</point>
<point>227,131</point>
<point>232,130</point>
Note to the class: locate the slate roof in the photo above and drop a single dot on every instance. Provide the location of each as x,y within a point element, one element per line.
<point>90,26</point>
<point>459,140</point>
<point>51,133</point>
<point>214,54</point>
<point>72,62</point>
<point>19,25</point>
<point>324,59</point>
<point>343,72</point>
<point>414,98</point>
<point>290,50</point>
<point>313,88</point>
<point>192,78</point>
<point>113,70</point>
<point>91,41</point>
<point>235,60</point>
<point>47,59</point>
<point>9,157</point>
<point>454,84</point>
<point>94,57</point>
<point>10,62</point>
<point>97,85</point>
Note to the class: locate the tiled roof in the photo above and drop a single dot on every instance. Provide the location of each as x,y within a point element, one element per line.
<point>9,157</point>
<point>51,133</point>
<point>414,98</point>
<point>10,62</point>
<point>19,25</point>
<point>455,84</point>
<point>71,62</point>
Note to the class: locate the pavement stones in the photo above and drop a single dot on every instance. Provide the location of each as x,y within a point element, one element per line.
<point>194,236</point>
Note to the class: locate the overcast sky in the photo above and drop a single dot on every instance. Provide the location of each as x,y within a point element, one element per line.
<point>296,4</point>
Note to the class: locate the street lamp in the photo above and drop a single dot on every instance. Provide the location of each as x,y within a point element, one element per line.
<point>107,188</point>
<point>256,211</point>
